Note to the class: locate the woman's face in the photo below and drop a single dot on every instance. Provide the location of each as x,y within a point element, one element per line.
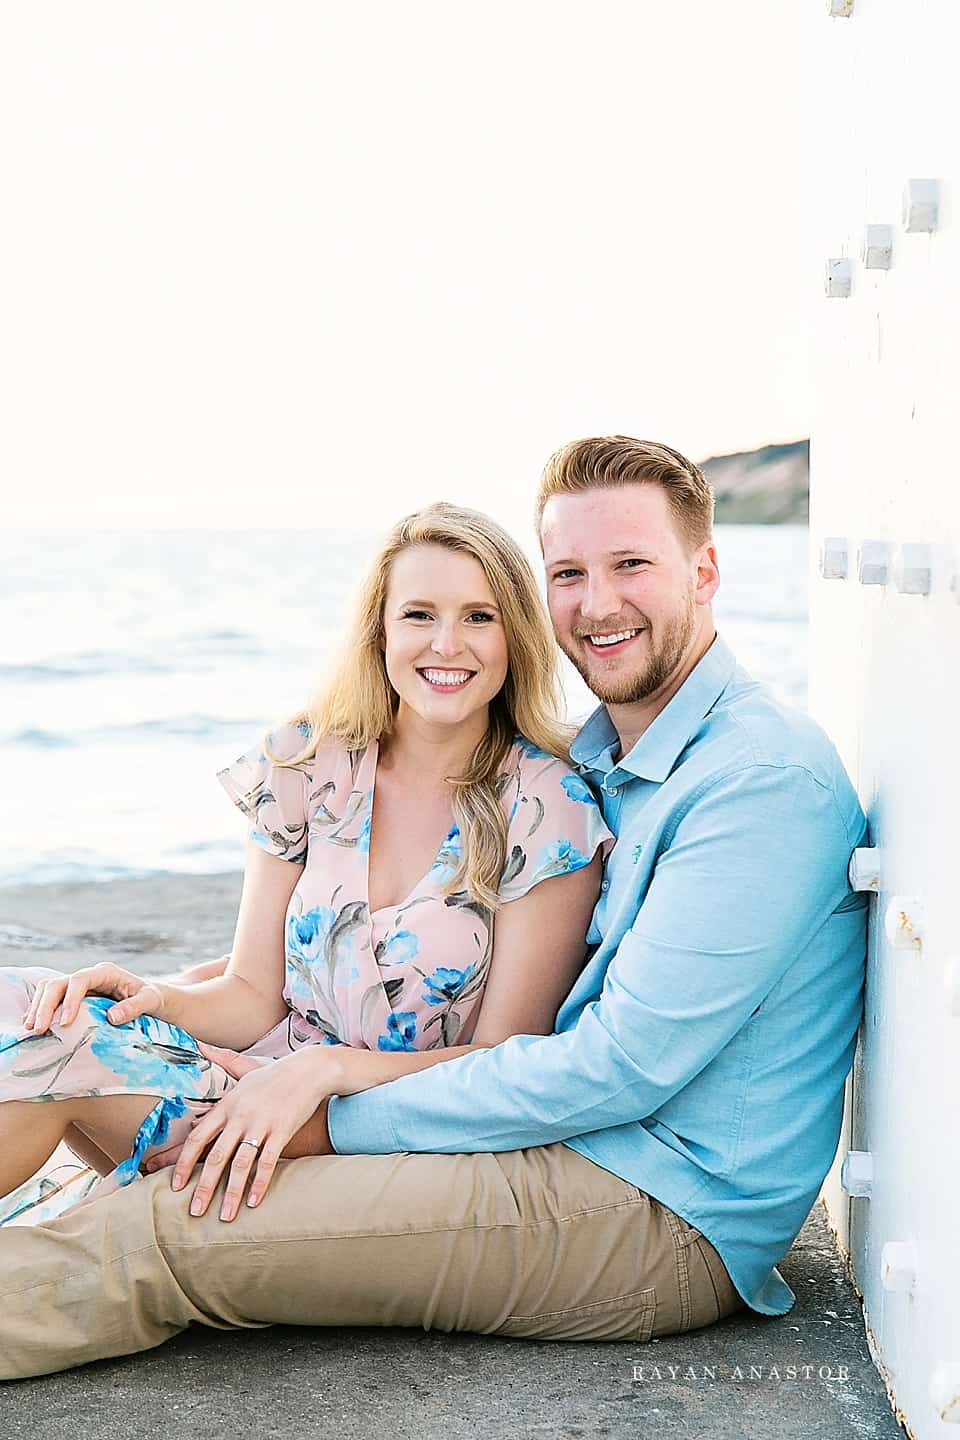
<point>444,642</point>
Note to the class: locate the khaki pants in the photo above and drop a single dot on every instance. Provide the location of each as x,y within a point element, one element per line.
<point>539,1243</point>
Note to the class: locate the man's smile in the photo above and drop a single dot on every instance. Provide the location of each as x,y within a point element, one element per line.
<point>614,642</point>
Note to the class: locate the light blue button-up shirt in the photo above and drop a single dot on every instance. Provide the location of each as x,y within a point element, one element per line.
<point>702,1052</point>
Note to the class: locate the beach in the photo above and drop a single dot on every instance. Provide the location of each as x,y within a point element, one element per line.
<point>152,926</point>
<point>162,923</point>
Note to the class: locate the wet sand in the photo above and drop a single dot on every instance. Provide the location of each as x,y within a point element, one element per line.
<point>152,926</point>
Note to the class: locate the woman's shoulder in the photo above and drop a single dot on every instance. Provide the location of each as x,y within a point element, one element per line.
<point>289,739</point>
<point>286,740</point>
<point>554,824</point>
<point>547,773</point>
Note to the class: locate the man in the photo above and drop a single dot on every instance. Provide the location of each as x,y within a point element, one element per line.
<point>640,1171</point>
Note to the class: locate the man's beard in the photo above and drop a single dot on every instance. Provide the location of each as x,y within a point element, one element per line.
<point>662,662</point>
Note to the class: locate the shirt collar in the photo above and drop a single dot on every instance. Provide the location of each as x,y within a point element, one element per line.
<point>655,753</point>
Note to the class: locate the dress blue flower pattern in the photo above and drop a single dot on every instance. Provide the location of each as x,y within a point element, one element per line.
<point>401,1032</point>
<point>307,934</point>
<point>357,977</point>
<point>445,984</point>
<point>149,1054</point>
<point>448,856</point>
<point>577,788</point>
<point>90,1056</point>
<point>402,947</point>
<point>409,976</point>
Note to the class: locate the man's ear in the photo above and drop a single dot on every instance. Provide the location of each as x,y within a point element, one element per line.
<point>708,573</point>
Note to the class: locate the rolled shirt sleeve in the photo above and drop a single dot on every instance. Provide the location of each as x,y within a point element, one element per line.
<point>753,867</point>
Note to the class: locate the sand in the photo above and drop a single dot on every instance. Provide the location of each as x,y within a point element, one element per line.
<point>152,926</point>
<point>450,1385</point>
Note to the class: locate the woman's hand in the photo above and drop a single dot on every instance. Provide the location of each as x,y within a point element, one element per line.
<point>66,992</point>
<point>252,1124</point>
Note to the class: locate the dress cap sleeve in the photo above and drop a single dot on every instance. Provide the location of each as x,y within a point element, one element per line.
<point>274,797</point>
<point>554,824</point>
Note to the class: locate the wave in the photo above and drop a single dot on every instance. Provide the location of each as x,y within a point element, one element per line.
<point>212,858</point>
<point>15,937</point>
<point>182,654</point>
<point>85,667</point>
<point>39,740</point>
<point>191,727</point>
<point>68,872</point>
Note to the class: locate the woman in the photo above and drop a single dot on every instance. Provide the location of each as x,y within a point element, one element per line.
<point>419,878</point>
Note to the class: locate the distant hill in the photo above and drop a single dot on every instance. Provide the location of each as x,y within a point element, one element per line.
<point>762,487</point>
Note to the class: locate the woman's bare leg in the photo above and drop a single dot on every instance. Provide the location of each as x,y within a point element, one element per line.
<point>30,1130</point>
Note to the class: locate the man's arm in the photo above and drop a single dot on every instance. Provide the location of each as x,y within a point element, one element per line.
<point>312,1138</point>
<point>754,869</point>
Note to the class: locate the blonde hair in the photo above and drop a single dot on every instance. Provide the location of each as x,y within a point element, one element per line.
<point>610,460</point>
<point>358,704</point>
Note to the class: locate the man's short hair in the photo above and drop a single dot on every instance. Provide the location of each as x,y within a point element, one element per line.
<point>604,461</point>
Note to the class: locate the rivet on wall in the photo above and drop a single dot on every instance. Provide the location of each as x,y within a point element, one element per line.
<point>856,1173</point>
<point>945,1392</point>
<point>898,1265</point>
<point>834,557</point>
<point>903,922</point>
<point>863,871</point>
<point>838,278</point>
<point>874,562</point>
<point>920,206</point>
<point>913,569</point>
<point>841,8</point>
<point>877,250</point>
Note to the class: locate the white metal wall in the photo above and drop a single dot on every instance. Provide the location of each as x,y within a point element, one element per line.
<point>885,657</point>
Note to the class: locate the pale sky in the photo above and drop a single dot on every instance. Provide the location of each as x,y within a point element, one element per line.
<point>311,263</point>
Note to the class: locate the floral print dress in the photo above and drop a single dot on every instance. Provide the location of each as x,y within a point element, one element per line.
<point>406,977</point>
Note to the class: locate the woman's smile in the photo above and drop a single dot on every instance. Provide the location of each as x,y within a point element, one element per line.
<point>445,679</point>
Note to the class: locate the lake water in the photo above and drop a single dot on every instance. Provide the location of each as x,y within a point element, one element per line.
<point>133,665</point>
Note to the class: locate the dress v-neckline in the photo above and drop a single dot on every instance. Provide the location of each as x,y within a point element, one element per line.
<point>372,759</point>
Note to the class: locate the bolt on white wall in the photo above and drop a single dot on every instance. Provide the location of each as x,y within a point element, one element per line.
<point>885,650</point>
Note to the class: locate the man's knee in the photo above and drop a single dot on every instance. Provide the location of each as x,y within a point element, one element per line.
<point>409,1240</point>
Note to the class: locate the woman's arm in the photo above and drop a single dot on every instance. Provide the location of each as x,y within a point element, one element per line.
<point>206,970</point>
<point>538,951</point>
<point>540,943</point>
<point>354,1069</point>
<point>236,1008</point>
<point>233,1010</point>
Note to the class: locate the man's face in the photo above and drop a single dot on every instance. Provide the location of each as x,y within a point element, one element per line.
<point>628,602</point>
